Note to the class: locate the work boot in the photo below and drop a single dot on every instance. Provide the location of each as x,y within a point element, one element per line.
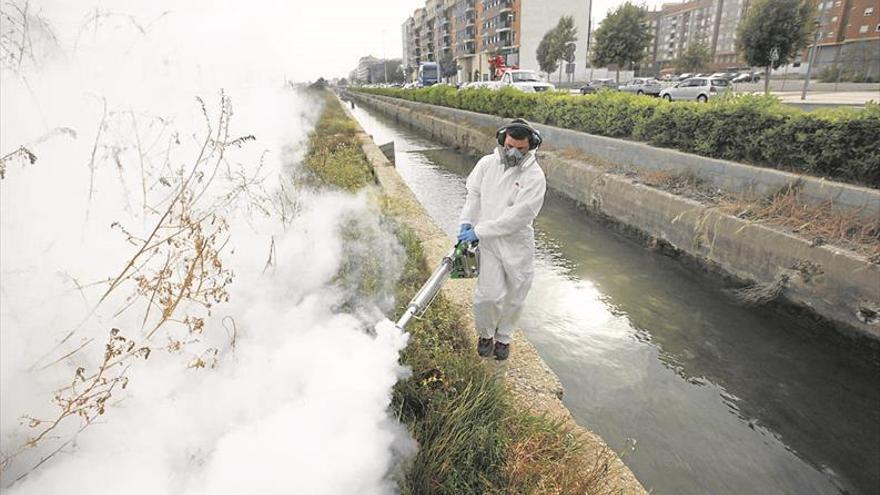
<point>501,351</point>
<point>484,346</point>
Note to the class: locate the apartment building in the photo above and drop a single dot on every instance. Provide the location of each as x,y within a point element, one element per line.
<point>675,26</point>
<point>849,36</point>
<point>365,64</point>
<point>473,31</point>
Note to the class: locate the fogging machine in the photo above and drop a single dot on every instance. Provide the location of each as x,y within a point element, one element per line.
<point>462,262</point>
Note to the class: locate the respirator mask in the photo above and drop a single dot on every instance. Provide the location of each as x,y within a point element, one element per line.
<point>511,157</point>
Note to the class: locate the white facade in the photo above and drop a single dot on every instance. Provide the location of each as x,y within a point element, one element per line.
<point>540,16</point>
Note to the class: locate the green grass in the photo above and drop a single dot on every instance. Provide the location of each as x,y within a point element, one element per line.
<point>335,157</point>
<point>473,438</point>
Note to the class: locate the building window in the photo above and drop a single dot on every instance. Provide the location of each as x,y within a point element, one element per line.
<point>878,28</point>
<point>863,29</point>
<point>869,11</point>
<point>834,19</point>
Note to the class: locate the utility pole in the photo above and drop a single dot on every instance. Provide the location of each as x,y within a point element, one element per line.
<point>384,60</point>
<point>589,65</point>
<point>817,24</point>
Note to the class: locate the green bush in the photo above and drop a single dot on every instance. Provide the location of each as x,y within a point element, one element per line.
<point>838,144</point>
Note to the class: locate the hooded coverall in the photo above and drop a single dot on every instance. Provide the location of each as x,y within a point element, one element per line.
<point>501,205</point>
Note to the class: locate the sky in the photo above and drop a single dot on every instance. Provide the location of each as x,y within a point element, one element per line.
<point>350,29</point>
<point>310,39</point>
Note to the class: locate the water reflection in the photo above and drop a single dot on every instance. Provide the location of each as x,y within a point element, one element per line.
<point>718,398</point>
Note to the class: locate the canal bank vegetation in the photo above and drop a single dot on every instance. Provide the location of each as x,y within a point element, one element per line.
<point>820,223</point>
<point>472,435</point>
<point>839,144</point>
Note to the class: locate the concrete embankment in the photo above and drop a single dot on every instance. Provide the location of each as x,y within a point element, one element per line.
<point>838,285</point>
<point>528,377</point>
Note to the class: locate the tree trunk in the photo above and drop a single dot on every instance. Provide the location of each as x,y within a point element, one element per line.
<point>617,76</point>
<point>767,80</point>
<point>560,74</point>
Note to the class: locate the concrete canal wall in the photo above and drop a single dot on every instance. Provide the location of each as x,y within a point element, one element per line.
<point>836,284</point>
<point>749,180</point>
<point>528,377</point>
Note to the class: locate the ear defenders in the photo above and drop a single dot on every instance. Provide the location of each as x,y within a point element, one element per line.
<point>535,139</point>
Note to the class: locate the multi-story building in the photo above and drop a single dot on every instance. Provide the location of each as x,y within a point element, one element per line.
<point>364,66</point>
<point>675,27</point>
<point>727,16</point>
<point>465,37</point>
<point>371,70</point>
<point>473,31</point>
<point>848,36</point>
<point>649,64</point>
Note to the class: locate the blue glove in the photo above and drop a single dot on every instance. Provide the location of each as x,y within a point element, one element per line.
<point>464,226</point>
<point>468,235</point>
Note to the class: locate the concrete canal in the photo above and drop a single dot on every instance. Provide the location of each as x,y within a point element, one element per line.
<point>700,394</point>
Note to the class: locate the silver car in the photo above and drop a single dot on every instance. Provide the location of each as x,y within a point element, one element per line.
<point>695,88</point>
<point>642,86</point>
<point>598,84</point>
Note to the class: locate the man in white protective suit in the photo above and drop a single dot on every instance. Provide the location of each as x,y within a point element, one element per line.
<point>505,192</point>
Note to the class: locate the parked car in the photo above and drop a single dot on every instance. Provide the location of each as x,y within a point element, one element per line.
<point>724,75</point>
<point>479,84</point>
<point>598,84</point>
<point>642,86</point>
<point>524,80</point>
<point>746,77</point>
<point>695,88</point>
<point>686,75</point>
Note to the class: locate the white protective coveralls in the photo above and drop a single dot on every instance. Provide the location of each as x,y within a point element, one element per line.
<point>501,205</point>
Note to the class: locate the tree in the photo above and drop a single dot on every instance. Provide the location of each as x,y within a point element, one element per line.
<point>548,57</point>
<point>695,58</point>
<point>779,27</point>
<point>448,67</point>
<point>556,45</point>
<point>621,38</point>
<point>564,38</point>
<point>342,82</point>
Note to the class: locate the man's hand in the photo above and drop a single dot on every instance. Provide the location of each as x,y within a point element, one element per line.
<point>467,235</point>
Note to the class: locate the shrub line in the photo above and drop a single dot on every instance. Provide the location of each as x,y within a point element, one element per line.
<point>839,144</point>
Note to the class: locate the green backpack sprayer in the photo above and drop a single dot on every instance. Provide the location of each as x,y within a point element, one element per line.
<point>462,262</point>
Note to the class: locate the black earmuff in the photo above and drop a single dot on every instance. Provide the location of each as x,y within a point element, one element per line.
<point>535,139</point>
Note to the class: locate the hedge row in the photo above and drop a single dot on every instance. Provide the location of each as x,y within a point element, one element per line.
<point>840,144</point>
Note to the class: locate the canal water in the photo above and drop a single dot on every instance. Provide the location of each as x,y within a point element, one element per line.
<point>699,394</point>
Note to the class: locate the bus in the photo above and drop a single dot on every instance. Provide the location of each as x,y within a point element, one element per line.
<point>429,73</point>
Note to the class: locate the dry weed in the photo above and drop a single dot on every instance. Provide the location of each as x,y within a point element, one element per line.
<point>176,272</point>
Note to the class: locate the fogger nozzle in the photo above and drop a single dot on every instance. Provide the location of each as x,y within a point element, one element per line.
<point>428,292</point>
